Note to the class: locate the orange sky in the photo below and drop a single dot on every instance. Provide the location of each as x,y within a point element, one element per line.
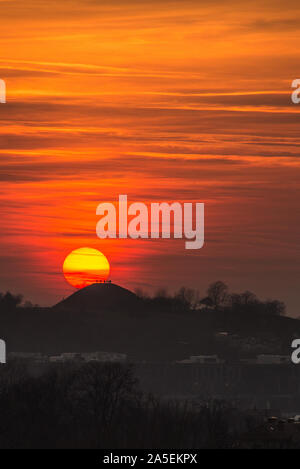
<point>162,101</point>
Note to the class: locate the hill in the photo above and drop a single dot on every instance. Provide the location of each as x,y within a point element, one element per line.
<point>99,297</point>
<point>110,318</point>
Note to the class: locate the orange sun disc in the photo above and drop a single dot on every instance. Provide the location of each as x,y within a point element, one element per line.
<point>85,266</point>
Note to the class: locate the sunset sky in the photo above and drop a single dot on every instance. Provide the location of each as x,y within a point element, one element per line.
<point>162,101</point>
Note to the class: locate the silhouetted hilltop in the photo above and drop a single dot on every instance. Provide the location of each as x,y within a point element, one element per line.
<point>108,317</point>
<point>99,297</point>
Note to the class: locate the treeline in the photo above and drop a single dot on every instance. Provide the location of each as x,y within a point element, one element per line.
<point>100,406</point>
<point>9,301</point>
<point>218,298</point>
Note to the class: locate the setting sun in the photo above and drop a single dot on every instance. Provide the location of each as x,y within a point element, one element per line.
<point>85,266</point>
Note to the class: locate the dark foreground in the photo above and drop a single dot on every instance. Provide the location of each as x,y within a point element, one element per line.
<point>100,406</point>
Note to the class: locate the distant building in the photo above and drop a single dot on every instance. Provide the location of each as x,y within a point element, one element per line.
<point>89,357</point>
<point>71,356</point>
<point>273,359</point>
<point>222,334</point>
<point>32,356</point>
<point>203,359</point>
<point>56,358</point>
<point>65,357</point>
<point>267,359</point>
<point>104,356</point>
